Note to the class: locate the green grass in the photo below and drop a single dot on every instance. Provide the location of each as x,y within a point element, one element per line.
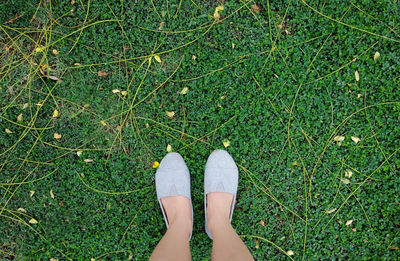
<point>279,84</point>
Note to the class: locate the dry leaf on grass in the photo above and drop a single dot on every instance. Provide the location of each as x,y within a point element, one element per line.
<point>39,49</point>
<point>262,223</point>
<point>52,77</point>
<point>348,223</point>
<point>88,160</point>
<point>20,117</point>
<point>161,26</point>
<point>51,193</point>
<point>8,131</point>
<point>290,253</point>
<point>226,143</point>
<point>339,138</point>
<point>55,52</point>
<point>101,73</point>
<point>348,173</point>
<point>55,113</point>
<point>355,139</point>
<point>345,181</point>
<point>57,136</point>
<point>33,221</point>
<point>330,211</point>
<point>217,10</point>
<point>103,123</point>
<point>31,193</point>
<point>170,114</point>
<point>255,8</point>
<point>21,210</point>
<point>376,56</point>
<point>79,153</point>
<point>184,91</point>
<point>116,91</point>
<point>156,164</point>
<point>158,59</point>
<point>357,75</point>
<point>169,148</point>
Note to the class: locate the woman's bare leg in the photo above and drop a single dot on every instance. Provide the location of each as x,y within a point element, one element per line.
<point>227,245</point>
<point>175,243</point>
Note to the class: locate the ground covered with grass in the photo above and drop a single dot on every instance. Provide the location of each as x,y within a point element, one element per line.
<point>303,94</point>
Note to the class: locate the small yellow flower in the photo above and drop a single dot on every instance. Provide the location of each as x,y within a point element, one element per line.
<point>156,164</point>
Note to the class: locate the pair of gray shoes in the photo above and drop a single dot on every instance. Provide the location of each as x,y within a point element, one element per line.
<point>173,179</point>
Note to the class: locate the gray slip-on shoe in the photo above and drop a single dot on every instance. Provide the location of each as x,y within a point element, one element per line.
<point>173,179</point>
<point>221,175</point>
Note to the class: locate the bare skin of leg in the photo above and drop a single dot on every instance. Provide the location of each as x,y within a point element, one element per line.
<point>227,245</point>
<point>175,243</point>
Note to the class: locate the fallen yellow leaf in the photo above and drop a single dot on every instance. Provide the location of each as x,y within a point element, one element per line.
<point>124,93</point>
<point>25,106</point>
<point>8,131</point>
<point>169,148</point>
<point>88,160</point>
<point>79,153</point>
<point>226,143</point>
<point>57,136</point>
<point>339,138</point>
<point>184,91</point>
<point>51,193</point>
<point>19,118</point>
<point>21,210</point>
<point>116,91</point>
<point>357,75</point>
<point>376,56</point>
<point>348,223</point>
<point>39,49</point>
<point>290,253</point>
<point>33,221</point>
<point>31,193</point>
<point>55,113</point>
<point>170,114</point>
<point>55,52</point>
<point>330,211</point>
<point>103,123</point>
<point>355,139</point>
<point>217,10</point>
<point>348,173</point>
<point>345,181</point>
<point>158,59</point>
<point>156,164</point>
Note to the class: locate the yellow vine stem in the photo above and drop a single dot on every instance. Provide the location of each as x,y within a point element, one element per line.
<point>348,25</point>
